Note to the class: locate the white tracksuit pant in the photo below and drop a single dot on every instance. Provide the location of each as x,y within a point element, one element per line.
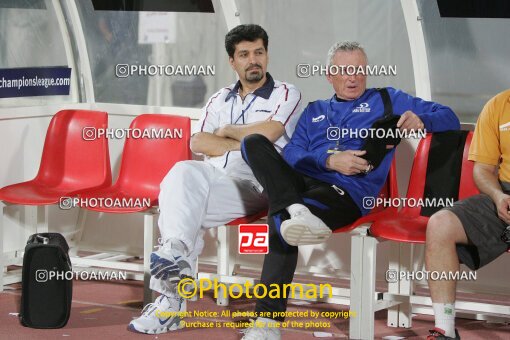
<point>196,195</point>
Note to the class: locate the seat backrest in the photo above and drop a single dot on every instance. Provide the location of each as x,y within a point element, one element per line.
<point>418,181</point>
<point>416,185</point>
<point>389,190</point>
<point>390,187</point>
<point>467,186</point>
<point>146,161</point>
<point>70,161</point>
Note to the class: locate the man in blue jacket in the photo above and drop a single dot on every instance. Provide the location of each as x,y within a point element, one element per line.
<point>320,182</point>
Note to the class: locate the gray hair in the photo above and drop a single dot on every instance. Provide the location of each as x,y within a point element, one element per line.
<point>344,46</point>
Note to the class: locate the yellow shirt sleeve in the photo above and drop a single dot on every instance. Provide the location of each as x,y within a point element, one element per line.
<point>485,146</point>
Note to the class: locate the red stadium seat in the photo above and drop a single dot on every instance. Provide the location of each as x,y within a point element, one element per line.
<point>389,190</point>
<point>247,219</point>
<point>69,163</point>
<point>408,225</point>
<point>145,162</point>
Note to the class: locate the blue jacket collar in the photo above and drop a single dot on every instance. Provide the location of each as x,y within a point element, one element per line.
<point>264,91</point>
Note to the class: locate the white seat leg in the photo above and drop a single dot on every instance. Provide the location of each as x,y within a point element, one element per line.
<point>406,286</point>
<point>223,254</point>
<point>35,219</point>
<point>394,286</point>
<point>149,241</point>
<point>356,280</point>
<point>80,225</point>
<point>367,315</point>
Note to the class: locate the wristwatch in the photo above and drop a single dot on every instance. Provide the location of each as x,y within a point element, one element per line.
<point>506,236</point>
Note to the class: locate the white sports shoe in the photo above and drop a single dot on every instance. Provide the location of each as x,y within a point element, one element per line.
<point>304,228</point>
<point>262,333</point>
<point>170,264</point>
<point>161,316</point>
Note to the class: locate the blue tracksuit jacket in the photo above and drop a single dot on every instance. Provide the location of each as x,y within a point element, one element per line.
<point>307,149</point>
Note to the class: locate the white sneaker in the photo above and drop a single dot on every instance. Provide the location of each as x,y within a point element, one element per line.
<point>169,264</point>
<point>262,333</point>
<point>304,228</point>
<point>161,316</point>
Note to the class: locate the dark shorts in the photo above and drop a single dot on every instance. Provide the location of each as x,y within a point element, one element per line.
<point>479,217</point>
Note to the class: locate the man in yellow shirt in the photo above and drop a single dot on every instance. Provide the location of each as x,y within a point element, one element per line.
<point>472,230</point>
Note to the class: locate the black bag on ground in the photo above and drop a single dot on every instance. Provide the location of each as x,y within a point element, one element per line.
<point>45,296</point>
<point>376,147</point>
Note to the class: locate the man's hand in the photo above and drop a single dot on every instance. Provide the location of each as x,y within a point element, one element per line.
<point>410,121</point>
<point>486,179</point>
<point>503,206</point>
<point>348,162</point>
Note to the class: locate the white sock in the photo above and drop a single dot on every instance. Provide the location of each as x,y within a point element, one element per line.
<point>294,208</point>
<point>445,317</point>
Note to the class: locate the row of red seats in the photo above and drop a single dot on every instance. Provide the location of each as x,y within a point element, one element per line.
<point>75,166</point>
<point>72,166</point>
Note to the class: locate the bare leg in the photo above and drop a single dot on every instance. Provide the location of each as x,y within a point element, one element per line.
<point>444,231</point>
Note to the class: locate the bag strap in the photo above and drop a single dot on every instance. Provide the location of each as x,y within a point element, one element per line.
<point>388,106</point>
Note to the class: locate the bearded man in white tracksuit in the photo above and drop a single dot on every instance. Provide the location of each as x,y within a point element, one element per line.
<point>196,195</point>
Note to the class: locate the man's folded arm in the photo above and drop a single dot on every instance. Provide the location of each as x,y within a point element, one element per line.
<point>284,109</point>
<point>203,140</point>
<point>272,130</point>
<point>209,144</point>
<point>229,137</point>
